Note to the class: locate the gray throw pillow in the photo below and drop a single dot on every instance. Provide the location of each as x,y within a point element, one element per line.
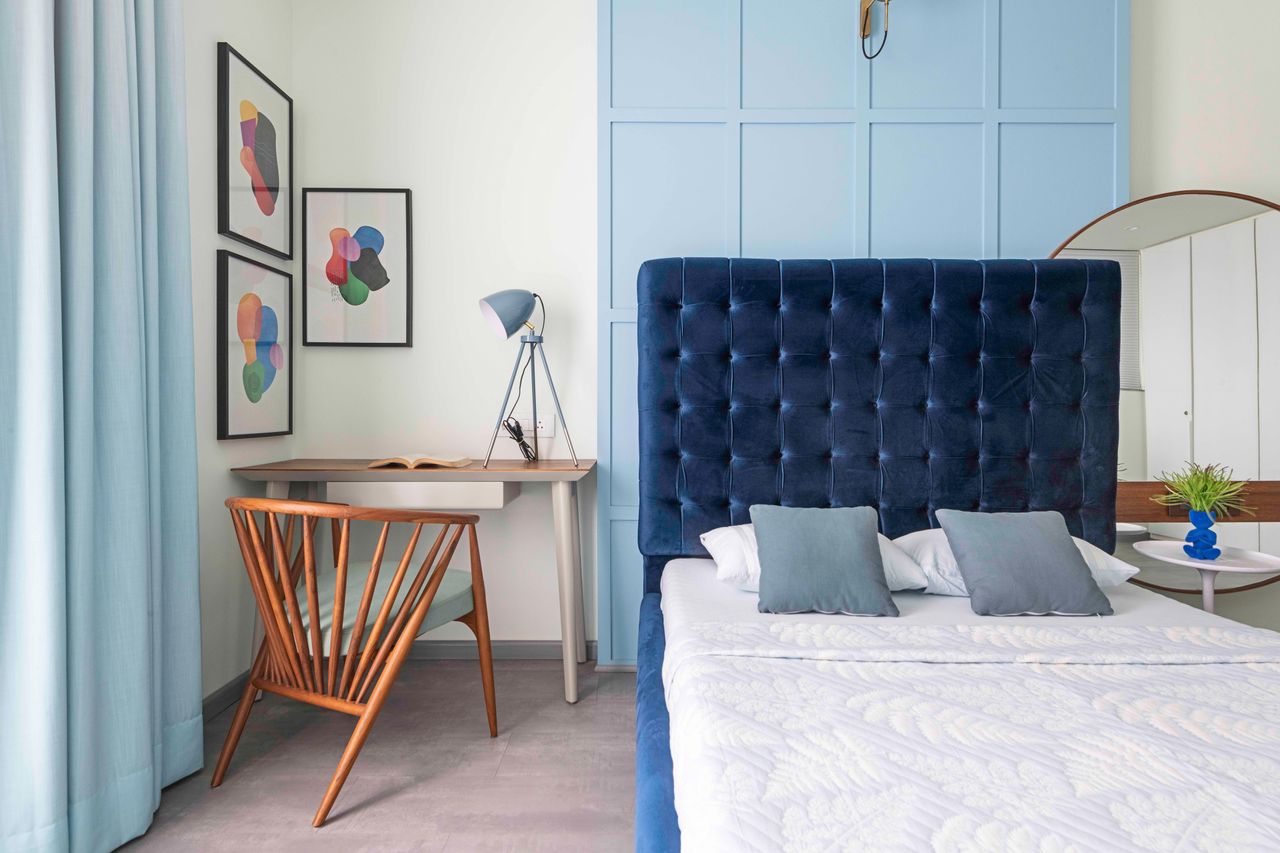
<point>820,560</point>
<point>1021,564</point>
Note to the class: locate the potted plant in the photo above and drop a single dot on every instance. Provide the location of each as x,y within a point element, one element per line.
<point>1208,491</point>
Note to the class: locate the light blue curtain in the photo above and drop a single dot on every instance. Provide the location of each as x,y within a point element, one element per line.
<point>99,593</point>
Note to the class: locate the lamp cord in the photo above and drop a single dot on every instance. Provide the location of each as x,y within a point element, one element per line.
<point>866,19</point>
<point>516,433</point>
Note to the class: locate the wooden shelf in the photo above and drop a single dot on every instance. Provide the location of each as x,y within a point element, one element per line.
<point>1134,504</point>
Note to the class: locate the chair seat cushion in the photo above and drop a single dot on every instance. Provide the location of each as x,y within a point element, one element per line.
<point>453,599</point>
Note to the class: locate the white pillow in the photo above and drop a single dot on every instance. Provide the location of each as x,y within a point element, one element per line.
<point>738,559</point>
<point>736,554</point>
<point>1107,570</point>
<point>900,570</point>
<point>932,553</point>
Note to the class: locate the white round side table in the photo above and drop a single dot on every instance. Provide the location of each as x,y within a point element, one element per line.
<point>1235,560</point>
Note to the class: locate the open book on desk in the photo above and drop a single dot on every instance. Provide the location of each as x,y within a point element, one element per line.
<point>421,460</point>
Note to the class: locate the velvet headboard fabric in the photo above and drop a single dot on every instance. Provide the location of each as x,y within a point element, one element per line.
<point>905,385</point>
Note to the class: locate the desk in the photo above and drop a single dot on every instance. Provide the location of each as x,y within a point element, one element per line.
<point>560,473</point>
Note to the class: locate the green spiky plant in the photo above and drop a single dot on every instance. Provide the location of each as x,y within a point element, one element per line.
<point>1204,488</point>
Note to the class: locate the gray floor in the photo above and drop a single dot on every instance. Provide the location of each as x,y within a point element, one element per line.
<point>557,777</point>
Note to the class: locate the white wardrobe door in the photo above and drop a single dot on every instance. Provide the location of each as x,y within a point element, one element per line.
<point>1224,340</point>
<point>1165,336</point>
<point>1268,249</point>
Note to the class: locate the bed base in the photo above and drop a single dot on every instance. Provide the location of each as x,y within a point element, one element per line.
<point>657,830</point>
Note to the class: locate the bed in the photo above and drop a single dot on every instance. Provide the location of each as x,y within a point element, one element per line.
<point>911,386</point>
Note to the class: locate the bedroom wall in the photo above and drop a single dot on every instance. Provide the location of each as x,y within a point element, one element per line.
<point>261,30</point>
<point>486,111</point>
<point>986,128</point>
<point>493,214</point>
<point>1204,96</point>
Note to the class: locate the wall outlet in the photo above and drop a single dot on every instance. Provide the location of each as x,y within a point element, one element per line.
<point>546,423</point>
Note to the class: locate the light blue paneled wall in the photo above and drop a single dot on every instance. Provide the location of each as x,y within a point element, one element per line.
<point>755,128</point>
<point>797,189</point>
<point>927,186</point>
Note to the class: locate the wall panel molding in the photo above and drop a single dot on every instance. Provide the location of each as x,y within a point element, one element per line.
<point>987,128</point>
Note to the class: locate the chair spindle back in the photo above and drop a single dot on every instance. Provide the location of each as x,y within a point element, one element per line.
<point>282,567</point>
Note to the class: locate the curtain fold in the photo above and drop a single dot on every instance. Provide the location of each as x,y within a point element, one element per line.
<point>100,689</point>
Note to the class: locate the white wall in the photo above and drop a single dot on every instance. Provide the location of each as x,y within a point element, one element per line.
<point>486,110</point>
<point>1204,84</point>
<point>261,30</point>
<point>1204,90</point>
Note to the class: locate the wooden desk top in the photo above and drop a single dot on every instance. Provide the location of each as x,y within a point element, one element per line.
<point>358,471</point>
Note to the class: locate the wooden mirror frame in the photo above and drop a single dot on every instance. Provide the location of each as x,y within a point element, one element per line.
<point>1110,213</point>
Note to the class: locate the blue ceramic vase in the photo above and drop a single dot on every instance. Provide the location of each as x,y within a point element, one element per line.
<point>1201,539</point>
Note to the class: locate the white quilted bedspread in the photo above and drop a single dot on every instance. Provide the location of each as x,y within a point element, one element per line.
<point>795,736</point>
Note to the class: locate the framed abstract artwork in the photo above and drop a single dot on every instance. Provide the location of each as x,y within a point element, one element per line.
<point>255,156</point>
<point>255,348</point>
<point>357,273</point>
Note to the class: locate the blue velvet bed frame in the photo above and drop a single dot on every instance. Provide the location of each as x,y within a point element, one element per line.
<point>906,385</point>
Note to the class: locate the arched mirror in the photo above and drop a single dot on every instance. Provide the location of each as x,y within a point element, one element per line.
<point>1200,344</point>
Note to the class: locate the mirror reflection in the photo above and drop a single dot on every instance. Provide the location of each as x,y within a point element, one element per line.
<point>1200,364</point>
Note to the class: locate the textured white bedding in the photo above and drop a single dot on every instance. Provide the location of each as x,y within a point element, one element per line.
<point>1155,729</point>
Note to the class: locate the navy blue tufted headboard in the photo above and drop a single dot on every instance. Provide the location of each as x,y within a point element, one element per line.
<point>906,385</point>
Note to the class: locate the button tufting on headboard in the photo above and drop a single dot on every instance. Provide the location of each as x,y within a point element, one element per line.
<point>906,385</point>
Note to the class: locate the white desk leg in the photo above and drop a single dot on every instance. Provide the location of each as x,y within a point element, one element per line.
<point>562,512</point>
<point>1207,578</point>
<point>579,615</point>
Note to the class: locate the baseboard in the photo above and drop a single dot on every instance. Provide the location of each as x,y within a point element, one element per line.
<point>228,694</point>
<point>615,667</point>
<point>225,696</point>
<point>502,650</point>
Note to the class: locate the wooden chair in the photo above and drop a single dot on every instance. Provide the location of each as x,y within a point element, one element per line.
<point>347,659</point>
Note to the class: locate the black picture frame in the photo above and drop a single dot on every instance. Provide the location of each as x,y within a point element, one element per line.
<point>222,339</point>
<point>226,53</point>
<point>408,221</point>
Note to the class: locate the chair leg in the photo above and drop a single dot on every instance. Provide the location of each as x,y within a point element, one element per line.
<point>364,724</point>
<point>248,696</point>
<point>349,755</point>
<point>478,621</point>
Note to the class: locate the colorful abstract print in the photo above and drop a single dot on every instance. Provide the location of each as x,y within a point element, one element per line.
<point>259,331</point>
<point>354,266</point>
<point>258,156</point>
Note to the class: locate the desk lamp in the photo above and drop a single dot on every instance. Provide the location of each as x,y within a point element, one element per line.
<point>508,311</point>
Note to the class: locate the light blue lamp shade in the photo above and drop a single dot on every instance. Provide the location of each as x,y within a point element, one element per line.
<point>507,310</point>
